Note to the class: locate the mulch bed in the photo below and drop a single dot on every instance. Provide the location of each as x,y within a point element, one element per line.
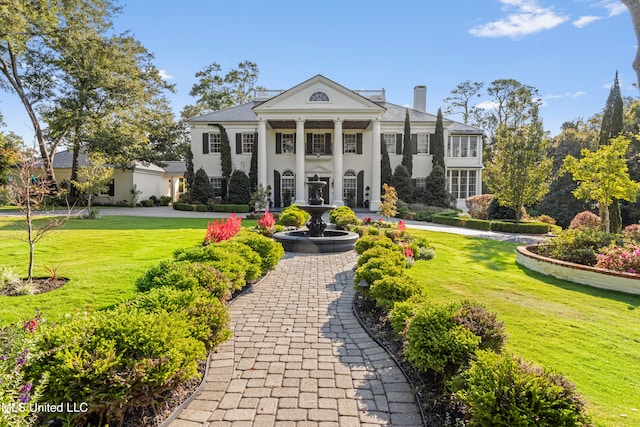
<point>40,285</point>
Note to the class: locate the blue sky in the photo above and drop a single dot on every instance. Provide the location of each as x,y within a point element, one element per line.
<point>569,50</point>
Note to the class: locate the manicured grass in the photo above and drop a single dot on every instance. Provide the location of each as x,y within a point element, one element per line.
<point>592,336</point>
<point>103,258</point>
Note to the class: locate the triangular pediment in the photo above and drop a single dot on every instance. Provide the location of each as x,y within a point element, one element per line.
<point>317,95</point>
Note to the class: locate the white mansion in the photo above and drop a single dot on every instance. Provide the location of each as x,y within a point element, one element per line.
<point>320,127</point>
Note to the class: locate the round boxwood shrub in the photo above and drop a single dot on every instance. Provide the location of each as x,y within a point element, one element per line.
<point>230,264</point>
<point>270,251</point>
<point>394,255</point>
<point>207,316</point>
<point>506,391</point>
<point>186,275</point>
<point>483,323</point>
<point>371,240</point>
<point>254,264</point>
<point>293,216</point>
<point>390,290</point>
<point>343,216</point>
<point>376,268</point>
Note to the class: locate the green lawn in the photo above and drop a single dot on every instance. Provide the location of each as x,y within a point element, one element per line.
<point>592,336</point>
<point>103,258</point>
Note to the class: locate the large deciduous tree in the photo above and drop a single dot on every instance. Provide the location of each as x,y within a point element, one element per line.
<point>30,33</point>
<point>520,171</point>
<point>603,176</point>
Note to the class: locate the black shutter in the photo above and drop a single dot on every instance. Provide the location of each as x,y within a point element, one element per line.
<point>278,143</point>
<point>414,143</point>
<point>255,141</point>
<point>327,143</point>
<point>309,143</point>
<point>432,138</point>
<point>295,142</point>
<point>205,143</point>
<point>276,189</point>
<point>238,143</point>
<point>382,142</point>
<point>398,143</point>
<point>360,189</point>
<point>359,143</point>
<point>112,188</point>
<point>413,183</point>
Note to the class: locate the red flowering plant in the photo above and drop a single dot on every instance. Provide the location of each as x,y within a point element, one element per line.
<point>17,395</point>
<point>267,224</point>
<point>223,230</point>
<point>408,254</point>
<point>620,258</point>
<point>367,220</point>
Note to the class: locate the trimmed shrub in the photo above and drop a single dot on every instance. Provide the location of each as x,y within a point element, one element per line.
<point>201,190</point>
<point>390,290</point>
<point>230,208</point>
<point>478,206</point>
<point>371,240</point>
<point>580,246</point>
<point>631,233</point>
<point>148,203</point>
<point>178,206</point>
<point>394,255</point>
<point>482,323</point>
<point>585,219</point>
<point>239,188</point>
<point>269,250</point>
<point>522,227</point>
<point>116,361</point>
<point>233,266</point>
<point>254,264</point>
<point>496,211</point>
<point>343,216</point>
<point>186,274</point>
<point>502,390</point>
<point>435,341</point>
<point>375,269</point>
<point>207,316</point>
<point>461,221</point>
<point>293,216</point>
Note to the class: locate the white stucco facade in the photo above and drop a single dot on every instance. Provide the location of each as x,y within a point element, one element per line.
<point>320,127</point>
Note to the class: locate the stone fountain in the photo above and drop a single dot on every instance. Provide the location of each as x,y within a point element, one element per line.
<point>316,239</point>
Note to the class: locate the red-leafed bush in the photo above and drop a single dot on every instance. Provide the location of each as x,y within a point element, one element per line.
<point>478,205</point>
<point>585,219</point>
<point>223,230</point>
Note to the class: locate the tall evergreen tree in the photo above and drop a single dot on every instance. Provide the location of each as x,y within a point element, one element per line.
<point>612,126</point>
<point>253,167</point>
<point>401,180</point>
<point>202,190</point>
<point>189,174</point>
<point>407,149</point>
<point>437,144</point>
<point>225,159</point>
<point>385,166</point>
<point>435,193</point>
<point>239,188</point>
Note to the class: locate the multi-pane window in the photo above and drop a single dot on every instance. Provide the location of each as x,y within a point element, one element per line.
<point>349,141</point>
<point>390,140</point>
<point>247,143</point>
<point>318,143</point>
<point>287,187</point>
<point>288,143</point>
<point>463,146</point>
<point>349,186</point>
<point>216,183</point>
<point>215,142</point>
<point>319,96</point>
<point>423,143</point>
<point>421,182</point>
<point>462,182</point>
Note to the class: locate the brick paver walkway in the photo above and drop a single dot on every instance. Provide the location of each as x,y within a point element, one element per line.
<point>299,357</point>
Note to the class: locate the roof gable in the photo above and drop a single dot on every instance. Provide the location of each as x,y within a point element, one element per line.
<point>318,94</point>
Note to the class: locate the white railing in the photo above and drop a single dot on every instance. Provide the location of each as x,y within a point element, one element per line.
<point>264,94</point>
<point>374,95</point>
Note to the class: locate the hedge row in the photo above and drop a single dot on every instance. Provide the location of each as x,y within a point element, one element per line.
<point>500,226</point>
<point>461,344</point>
<point>210,208</point>
<point>129,357</point>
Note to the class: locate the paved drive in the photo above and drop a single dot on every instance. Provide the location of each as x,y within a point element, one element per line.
<point>299,357</point>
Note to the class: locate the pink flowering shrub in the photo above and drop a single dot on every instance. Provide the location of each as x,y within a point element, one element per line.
<point>620,258</point>
<point>585,219</point>
<point>224,230</point>
<point>631,233</point>
<point>267,224</point>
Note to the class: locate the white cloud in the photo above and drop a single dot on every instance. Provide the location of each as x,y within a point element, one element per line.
<point>524,17</point>
<point>164,75</point>
<point>583,21</point>
<point>576,94</point>
<point>613,7</point>
<point>487,105</point>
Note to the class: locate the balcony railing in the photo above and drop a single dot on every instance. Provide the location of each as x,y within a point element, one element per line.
<point>374,95</point>
<point>265,94</point>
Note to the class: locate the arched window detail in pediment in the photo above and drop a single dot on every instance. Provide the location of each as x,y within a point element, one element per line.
<point>319,96</point>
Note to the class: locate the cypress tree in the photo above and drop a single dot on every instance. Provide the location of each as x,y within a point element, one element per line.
<point>385,166</point>
<point>401,180</point>
<point>253,168</point>
<point>437,144</point>
<point>612,125</point>
<point>202,190</point>
<point>189,174</point>
<point>239,188</point>
<point>436,193</point>
<point>407,149</point>
<point>225,158</point>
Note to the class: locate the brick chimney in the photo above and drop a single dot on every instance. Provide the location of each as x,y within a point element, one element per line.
<point>420,98</point>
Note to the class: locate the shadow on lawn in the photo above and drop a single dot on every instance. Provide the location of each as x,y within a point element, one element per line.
<point>632,301</point>
<point>495,255</point>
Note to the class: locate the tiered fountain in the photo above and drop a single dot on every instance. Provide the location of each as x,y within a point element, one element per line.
<point>316,239</point>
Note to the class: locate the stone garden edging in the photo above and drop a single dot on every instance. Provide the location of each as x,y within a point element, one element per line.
<point>582,274</point>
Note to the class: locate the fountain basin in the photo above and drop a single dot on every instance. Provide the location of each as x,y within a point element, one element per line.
<point>331,241</point>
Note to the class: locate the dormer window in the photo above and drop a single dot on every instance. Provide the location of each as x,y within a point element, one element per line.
<point>319,96</point>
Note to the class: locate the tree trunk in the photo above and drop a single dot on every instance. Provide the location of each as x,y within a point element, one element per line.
<point>606,224</point>
<point>31,243</point>
<point>634,10</point>
<point>74,171</point>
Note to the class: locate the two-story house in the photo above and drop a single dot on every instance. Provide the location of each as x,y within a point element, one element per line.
<point>320,127</point>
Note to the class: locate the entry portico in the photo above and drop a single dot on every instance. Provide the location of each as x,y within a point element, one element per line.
<point>320,127</point>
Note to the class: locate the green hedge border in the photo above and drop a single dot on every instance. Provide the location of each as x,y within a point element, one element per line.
<point>216,208</point>
<point>500,226</point>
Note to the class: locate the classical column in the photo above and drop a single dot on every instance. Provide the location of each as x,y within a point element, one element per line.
<point>376,158</point>
<point>262,153</point>
<point>300,173</point>
<point>337,164</point>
